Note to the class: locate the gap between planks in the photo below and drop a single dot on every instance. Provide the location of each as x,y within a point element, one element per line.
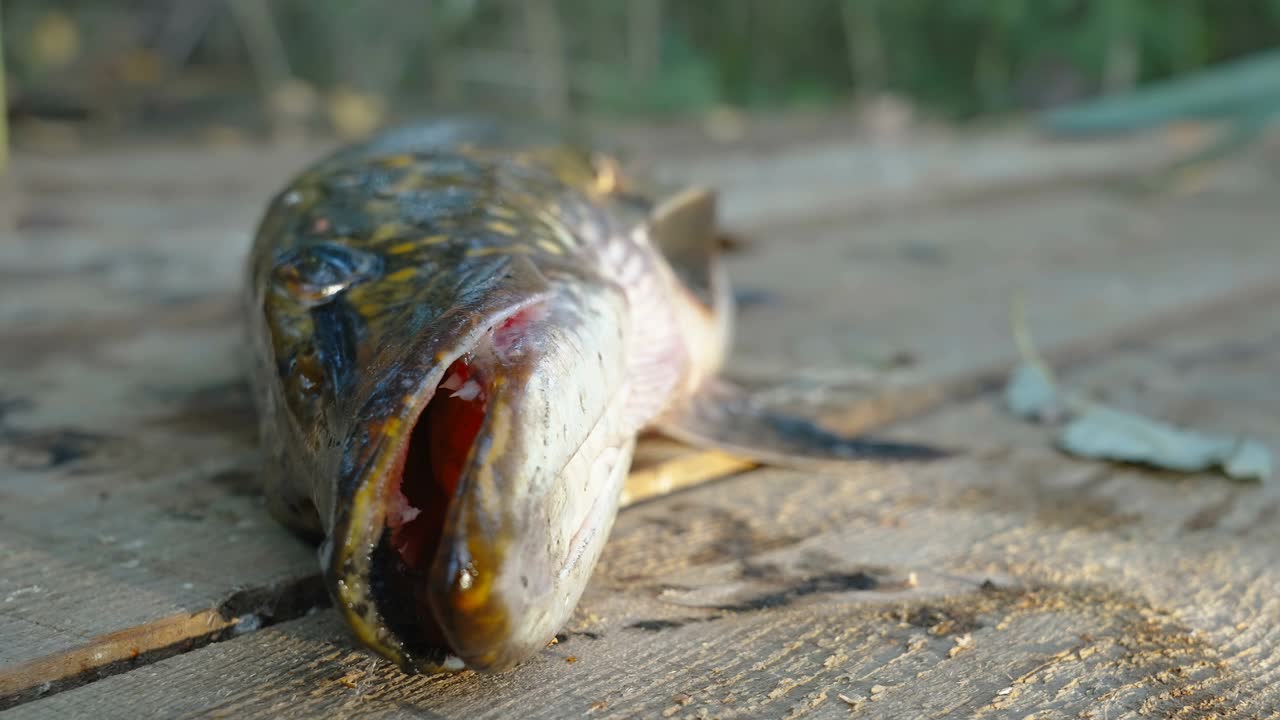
<point>670,468</point>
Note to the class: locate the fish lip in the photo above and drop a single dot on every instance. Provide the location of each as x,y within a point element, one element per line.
<point>360,514</point>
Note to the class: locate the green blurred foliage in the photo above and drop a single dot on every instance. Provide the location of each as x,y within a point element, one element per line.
<point>955,58</point>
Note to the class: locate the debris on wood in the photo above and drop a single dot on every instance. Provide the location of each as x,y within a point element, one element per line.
<point>1030,395</point>
<point>853,702</point>
<point>1088,429</point>
<point>1031,392</point>
<point>1110,434</point>
<point>962,643</point>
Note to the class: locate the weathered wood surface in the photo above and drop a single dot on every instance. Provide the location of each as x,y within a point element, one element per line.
<point>1007,582</point>
<point>132,528</point>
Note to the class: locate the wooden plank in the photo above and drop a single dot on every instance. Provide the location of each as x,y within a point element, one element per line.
<point>1007,582</point>
<point>929,296</point>
<point>833,177</point>
<point>126,441</point>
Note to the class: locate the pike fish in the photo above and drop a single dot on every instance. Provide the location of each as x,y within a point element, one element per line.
<point>458,332</point>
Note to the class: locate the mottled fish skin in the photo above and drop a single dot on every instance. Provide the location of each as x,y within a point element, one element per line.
<point>377,268</point>
<point>458,333</point>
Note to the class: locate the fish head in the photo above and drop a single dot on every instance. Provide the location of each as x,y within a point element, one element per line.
<point>481,476</point>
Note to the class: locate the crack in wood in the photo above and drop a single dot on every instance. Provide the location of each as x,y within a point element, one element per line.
<point>242,612</point>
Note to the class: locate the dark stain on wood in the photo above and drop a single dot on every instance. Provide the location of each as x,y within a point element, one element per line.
<point>50,448</point>
<point>829,583</point>
<point>564,637</point>
<point>669,623</point>
<point>942,621</point>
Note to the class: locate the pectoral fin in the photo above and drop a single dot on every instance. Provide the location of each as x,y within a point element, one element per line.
<point>685,227</point>
<point>724,417</point>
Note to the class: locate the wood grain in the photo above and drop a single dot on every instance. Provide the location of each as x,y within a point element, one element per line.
<point>131,515</point>
<point>1008,582</point>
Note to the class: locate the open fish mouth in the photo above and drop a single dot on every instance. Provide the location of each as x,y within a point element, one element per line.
<point>433,562</point>
<point>421,488</point>
<point>467,534</point>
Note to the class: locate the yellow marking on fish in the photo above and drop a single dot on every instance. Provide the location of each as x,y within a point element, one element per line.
<point>434,239</point>
<point>410,181</point>
<point>519,248</point>
<point>502,211</point>
<point>608,175</point>
<point>551,247</point>
<point>402,248</point>
<point>367,516</point>
<point>502,228</point>
<point>398,161</point>
<point>403,274</point>
<point>562,233</point>
<point>386,231</point>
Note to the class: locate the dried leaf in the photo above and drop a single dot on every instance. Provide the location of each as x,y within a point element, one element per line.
<point>1030,394</point>
<point>1109,434</point>
<point>1251,459</point>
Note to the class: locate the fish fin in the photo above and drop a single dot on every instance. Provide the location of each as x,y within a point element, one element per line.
<point>684,226</point>
<point>724,416</point>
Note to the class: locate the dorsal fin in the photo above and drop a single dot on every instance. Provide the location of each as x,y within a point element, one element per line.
<point>684,227</point>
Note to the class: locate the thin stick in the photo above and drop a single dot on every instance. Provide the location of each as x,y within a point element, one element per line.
<point>1022,338</point>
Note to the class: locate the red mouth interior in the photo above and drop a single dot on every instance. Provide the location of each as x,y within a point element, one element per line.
<point>426,478</point>
<point>438,448</point>
<point>426,481</point>
<point>433,462</point>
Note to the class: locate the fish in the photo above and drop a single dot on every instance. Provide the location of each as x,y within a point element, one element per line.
<point>459,329</point>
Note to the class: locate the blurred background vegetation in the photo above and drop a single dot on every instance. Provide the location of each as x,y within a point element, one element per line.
<point>349,65</point>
